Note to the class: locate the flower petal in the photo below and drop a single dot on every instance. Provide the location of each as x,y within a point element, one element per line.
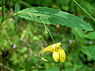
<point>51,48</point>
<point>47,49</point>
<point>55,56</point>
<point>62,55</point>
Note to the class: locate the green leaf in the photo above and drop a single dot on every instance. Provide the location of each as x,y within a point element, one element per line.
<point>89,51</point>
<point>53,16</point>
<point>79,34</point>
<point>91,35</point>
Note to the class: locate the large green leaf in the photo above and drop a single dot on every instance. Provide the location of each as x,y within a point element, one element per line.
<point>53,16</point>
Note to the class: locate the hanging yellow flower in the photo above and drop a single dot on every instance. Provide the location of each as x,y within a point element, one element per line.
<point>58,52</point>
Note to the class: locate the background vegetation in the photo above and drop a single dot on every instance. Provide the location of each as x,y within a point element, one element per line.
<point>23,37</point>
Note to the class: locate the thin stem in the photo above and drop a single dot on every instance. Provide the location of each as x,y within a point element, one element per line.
<point>48,30</point>
<point>25,4</point>
<point>84,10</point>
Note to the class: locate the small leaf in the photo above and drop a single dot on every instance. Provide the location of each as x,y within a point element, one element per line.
<point>89,51</point>
<point>91,35</point>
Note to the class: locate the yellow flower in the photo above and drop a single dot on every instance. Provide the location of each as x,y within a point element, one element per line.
<point>58,52</point>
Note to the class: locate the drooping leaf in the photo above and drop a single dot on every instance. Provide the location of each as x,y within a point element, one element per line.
<point>53,16</point>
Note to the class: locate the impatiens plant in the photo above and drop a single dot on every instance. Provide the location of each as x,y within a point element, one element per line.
<point>27,31</point>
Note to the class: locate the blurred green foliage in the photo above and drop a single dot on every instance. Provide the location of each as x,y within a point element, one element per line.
<point>21,41</point>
